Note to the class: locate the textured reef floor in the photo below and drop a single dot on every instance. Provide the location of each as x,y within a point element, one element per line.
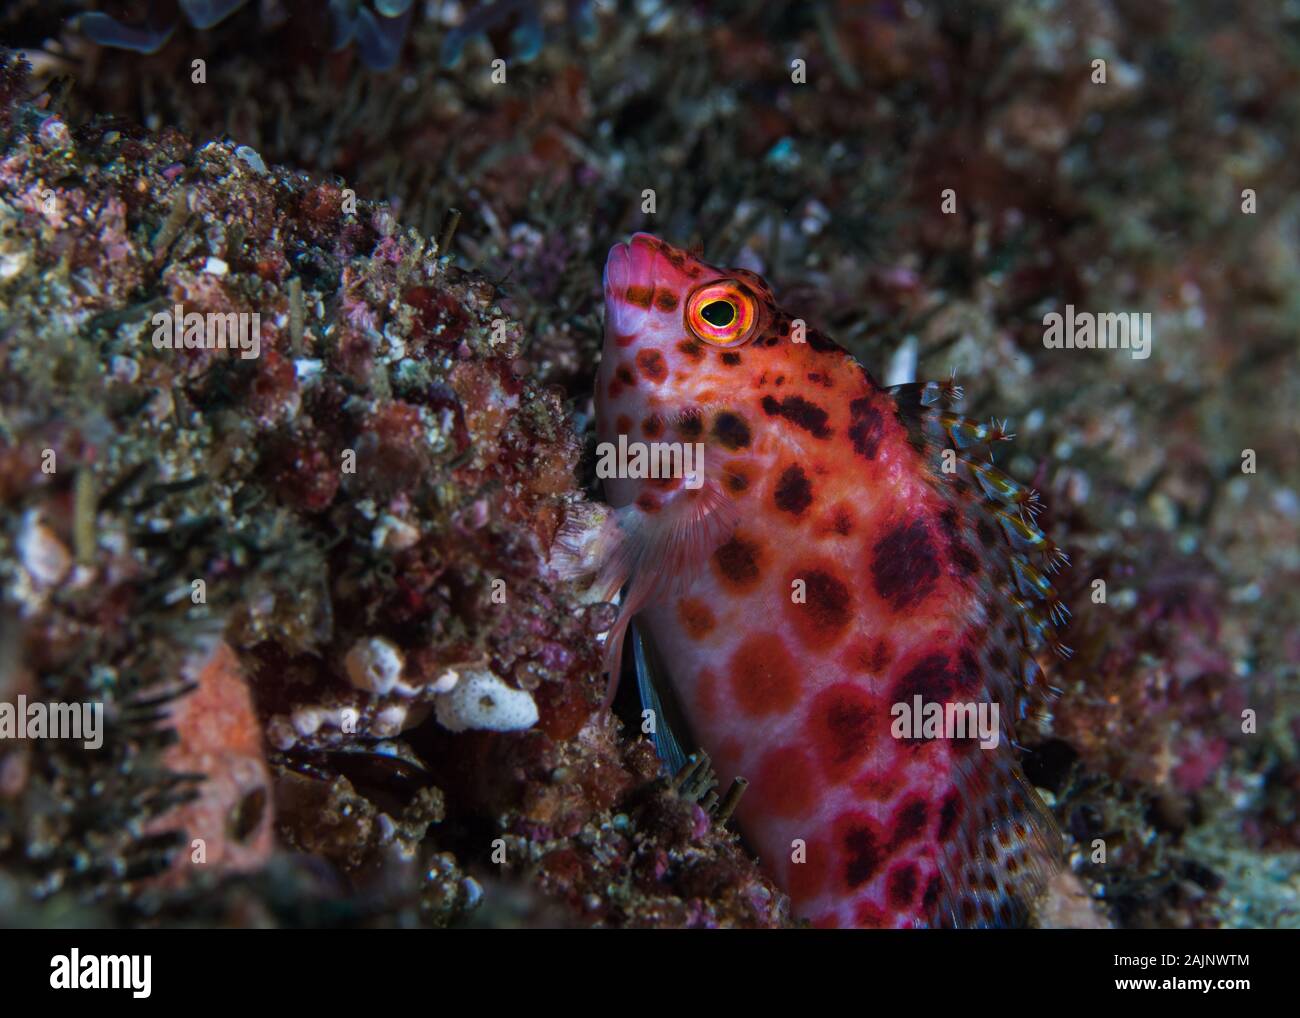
<point>310,585</point>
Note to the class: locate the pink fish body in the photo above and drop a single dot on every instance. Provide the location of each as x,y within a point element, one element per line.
<point>839,550</point>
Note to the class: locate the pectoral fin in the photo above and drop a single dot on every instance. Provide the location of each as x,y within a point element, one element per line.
<point>669,727</point>
<point>648,553</point>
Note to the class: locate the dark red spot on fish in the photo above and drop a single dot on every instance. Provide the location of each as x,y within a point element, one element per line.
<point>648,503</point>
<point>819,341</point>
<point>930,900</point>
<point>908,822</point>
<point>838,521</point>
<point>931,679</point>
<point>785,782</point>
<point>731,430</point>
<point>738,562</point>
<point>857,657</point>
<point>805,880</point>
<point>623,424</point>
<point>901,885</point>
<point>652,365</point>
<point>880,787</point>
<point>949,814</point>
<point>615,389</point>
<point>665,300</point>
<point>764,677</point>
<point>799,412</point>
<point>905,566</point>
<point>696,616</point>
<point>652,427</point>
<point>965,560</point>
<point>868,916</point>
<point>866,427</point>
<point>624,373</point>
<point>639,296</point>
<point>817,378</point>
<point>693,349</point>
<point>730,358</point>
<point>881,655</point>
<point>1012,913</point>
<point>691,426</point>
<point>624,338</point>
<point>987,535</point>
<point>968,678</point>
<point>859,841</point>
<point>843,724</point>
<point>737,477</point>
<point>793,492</point>
<point>826,612</point>
<point>950,520</point>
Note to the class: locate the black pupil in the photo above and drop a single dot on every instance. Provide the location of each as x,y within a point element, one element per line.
<point>719,313</point>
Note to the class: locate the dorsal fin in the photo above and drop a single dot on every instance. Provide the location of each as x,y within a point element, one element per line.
<point>1007,845</point>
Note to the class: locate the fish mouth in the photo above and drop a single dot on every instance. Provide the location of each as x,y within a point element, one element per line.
<point>633,263</point>
<point>618,270</point>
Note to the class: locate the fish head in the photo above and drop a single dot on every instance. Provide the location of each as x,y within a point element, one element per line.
<point>673,327</point>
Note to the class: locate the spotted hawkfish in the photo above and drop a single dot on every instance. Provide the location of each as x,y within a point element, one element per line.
<point>845,548</point>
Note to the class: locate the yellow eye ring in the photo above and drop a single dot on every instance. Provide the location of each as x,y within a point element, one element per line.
<point>722,314</point>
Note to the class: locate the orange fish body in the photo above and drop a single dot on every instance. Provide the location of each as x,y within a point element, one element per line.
<point>840,561</point>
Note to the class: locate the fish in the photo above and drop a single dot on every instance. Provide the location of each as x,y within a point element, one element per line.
<point>832,594</point>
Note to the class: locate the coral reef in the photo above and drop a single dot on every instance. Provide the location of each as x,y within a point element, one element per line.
<point>361,511</point>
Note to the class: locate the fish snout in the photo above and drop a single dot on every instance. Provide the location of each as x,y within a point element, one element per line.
<point>618,270</point>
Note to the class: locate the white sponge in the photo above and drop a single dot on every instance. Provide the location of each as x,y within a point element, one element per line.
<point>374,665</point>
<point>481,700</point>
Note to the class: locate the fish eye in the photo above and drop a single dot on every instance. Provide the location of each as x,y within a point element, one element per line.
<point>718,312</point>
<point>722,313</point>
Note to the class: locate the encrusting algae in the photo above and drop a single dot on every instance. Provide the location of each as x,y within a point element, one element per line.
<point>367,614</point>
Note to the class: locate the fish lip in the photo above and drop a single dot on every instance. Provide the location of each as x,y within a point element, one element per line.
<point>618,269</point>
<point>636,261</point>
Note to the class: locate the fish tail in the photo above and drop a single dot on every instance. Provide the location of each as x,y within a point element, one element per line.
<point>1004,851</point>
